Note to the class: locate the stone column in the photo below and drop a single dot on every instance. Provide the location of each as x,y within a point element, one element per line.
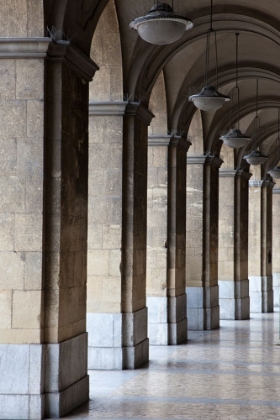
<point>176,240</point>
<point>202,242</point>
<point>157,297</point>
<point>117,318</point>
<point>260,246</point>
<point>276,244</point>
<point>233,245</point>
<point>68,73</point>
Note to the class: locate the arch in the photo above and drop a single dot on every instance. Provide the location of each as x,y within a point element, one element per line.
<point>158,106</point>
<point>195,134</point>
<point>107,54</point>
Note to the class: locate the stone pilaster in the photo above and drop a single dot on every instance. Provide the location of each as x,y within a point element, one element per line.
<point>233,245</point>
<point>118,219</point>
<point>202,242</point>
<point>22,353</point>
<point>276,243</point>
<point>260,246</point>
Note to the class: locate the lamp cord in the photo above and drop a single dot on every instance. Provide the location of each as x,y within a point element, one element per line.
<point>237,87</point>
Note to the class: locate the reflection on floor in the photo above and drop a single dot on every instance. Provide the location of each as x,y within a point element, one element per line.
<point>231,373</point>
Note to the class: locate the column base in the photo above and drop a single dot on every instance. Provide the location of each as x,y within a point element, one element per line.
<point>261,293</point>
<point>276,289</point>
<point>203,308</point>
<point>162,309</point>
<point>42,381</point>
<point>234,299</point>
<point>117,341</point>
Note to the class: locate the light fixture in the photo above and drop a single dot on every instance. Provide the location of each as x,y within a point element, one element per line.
<point>256,157</point>
<point>235,138</point>
<point>161,25</point>
<point>209,99</point>
<point>275,172</point>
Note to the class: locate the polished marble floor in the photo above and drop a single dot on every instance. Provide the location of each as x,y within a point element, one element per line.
<point>231,373</point>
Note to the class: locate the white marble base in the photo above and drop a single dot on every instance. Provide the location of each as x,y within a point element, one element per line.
<point>167,320</point>
<point>117,341</point>
<point>261,293</point>
<point>66,379</point>
<point>39,381</point>
<point>234,299</point>
<point>276,289</point>
<point>203,310</point>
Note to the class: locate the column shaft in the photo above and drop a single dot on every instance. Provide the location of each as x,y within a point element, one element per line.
<point>276,244</point>
<point>117,261</point>
<point>233,245</point>
<point>202,242</point>
<point>176,241</point>
<point>260,246</point>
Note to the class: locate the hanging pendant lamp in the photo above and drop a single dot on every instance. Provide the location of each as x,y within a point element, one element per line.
<point>256,157</point>
<point>275,172</point>
<point>209,99</point>
<point>235,138</point>
<point>161,25</point>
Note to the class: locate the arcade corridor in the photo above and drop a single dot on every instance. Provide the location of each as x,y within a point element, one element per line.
<point>231,373</point>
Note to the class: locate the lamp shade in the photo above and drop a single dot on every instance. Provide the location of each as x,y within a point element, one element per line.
<point>209,99</point>
<point>275,172</point>
<point>161,25</point>
<point>255,158</point>
<point>235,139</point>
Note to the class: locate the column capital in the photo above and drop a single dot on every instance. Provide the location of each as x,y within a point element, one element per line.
<point>24,47</point>
<point>203,159</point>
<point>158,140</point>
<point>136,109</point>
<point>73,57</point>
<point>234,173</point>
<point>226,173</point>
<point>240,173</point>
<point>179,141</point>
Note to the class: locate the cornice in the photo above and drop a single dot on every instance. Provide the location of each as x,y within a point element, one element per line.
<point>24,47</point>
<point>158,140</point>
<point>107,108</point>
<point>224,173</point>
<point>202,159</point>
<point>276,191</point>
<point>261,183</point>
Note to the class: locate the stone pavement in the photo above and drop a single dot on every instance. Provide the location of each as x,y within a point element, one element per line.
<point>231,373</point>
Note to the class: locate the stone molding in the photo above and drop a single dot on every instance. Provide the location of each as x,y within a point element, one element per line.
<point>202,159</point>
<point>159,140</point>
<point>238,173</point>
<point>24,47</point>
<point>107,108</point>
<point>196,160</point>
<point>276,191</point>
<point>261,183</point>
<point>118,108</point>
<point>73,57</point>
<point>224,173</point>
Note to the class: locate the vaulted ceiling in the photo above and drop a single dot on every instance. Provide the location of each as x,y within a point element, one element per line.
<point>182,63</point>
